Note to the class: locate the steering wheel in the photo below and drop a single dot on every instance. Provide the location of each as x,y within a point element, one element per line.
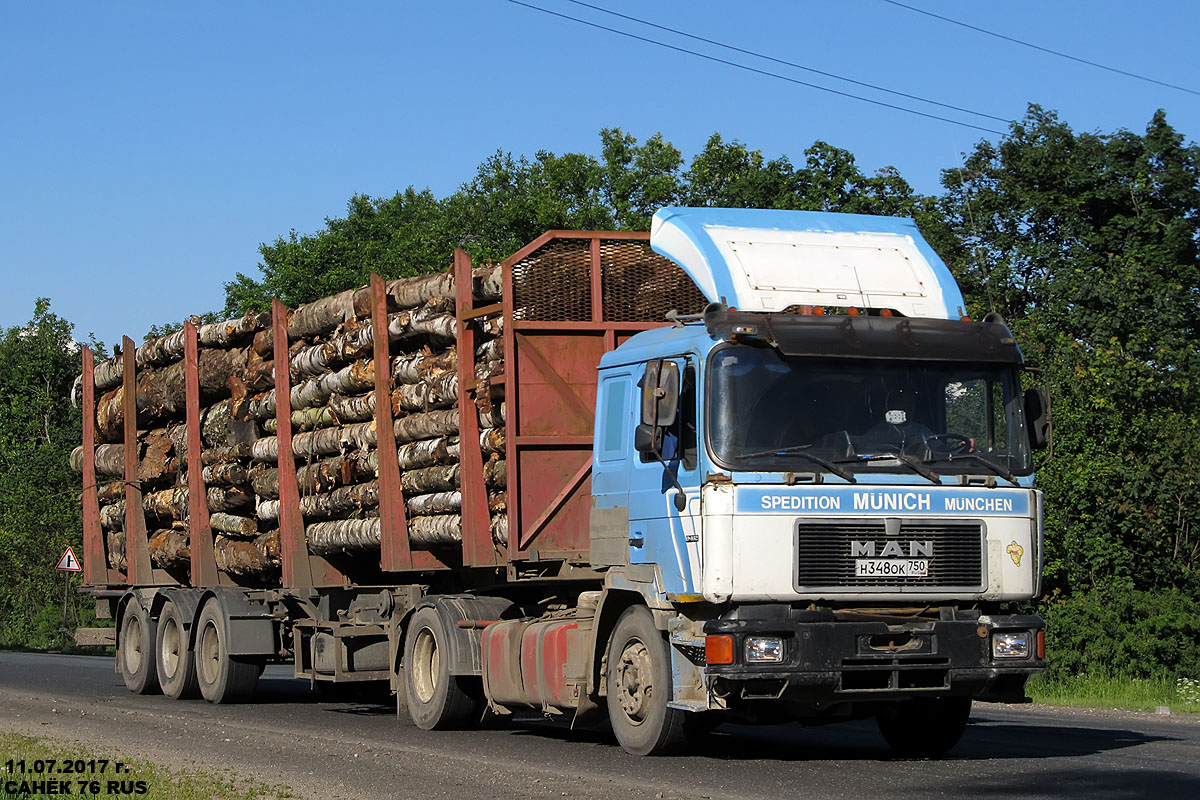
<point>956,443</point>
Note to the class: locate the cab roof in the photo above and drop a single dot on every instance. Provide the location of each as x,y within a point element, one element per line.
<point>768,260</point>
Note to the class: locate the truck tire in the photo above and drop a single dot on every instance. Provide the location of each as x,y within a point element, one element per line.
<point>639,687</point>
<point>222,678</point>
<point>436,699</point>
<point>135,653</point>
<point>925,728</point>
<point>175,664</point>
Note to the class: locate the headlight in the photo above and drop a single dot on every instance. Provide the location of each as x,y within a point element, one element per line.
<point>1010,645</point>
<point>760,649</point>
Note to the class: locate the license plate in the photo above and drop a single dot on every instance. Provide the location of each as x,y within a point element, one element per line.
<point>891,567</point>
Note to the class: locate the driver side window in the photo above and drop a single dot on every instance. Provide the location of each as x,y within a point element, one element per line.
<point>680,442</point>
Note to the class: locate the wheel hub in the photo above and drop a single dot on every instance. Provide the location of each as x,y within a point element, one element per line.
<point>210,654</point>
<point>133,648</point>
<point>635,680</point>
<point>170,659</point>
<point>427,662</point>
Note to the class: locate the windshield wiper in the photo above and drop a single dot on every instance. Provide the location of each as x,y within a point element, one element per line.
<point>798,450</point>
<point>991,465</point>
<point>916,466</point>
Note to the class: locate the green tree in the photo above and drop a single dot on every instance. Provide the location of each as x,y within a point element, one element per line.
<point>511,200</point>
<point>639,179</point>
<point>39,517</point>
<point>406,234</point>
<point>1088,243</point>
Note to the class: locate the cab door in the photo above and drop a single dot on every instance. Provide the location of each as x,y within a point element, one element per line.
<point>659,533</point>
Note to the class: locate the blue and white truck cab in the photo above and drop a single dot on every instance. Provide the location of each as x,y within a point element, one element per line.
<point>823,486</point>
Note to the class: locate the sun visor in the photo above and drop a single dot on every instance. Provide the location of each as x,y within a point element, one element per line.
<point>768,260</point>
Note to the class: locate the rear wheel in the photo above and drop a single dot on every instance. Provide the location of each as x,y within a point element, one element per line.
<point>639,687</point>
<point>176,667</point>
<point>135,654</point>
<point>436,699</point>
<point>222,678</point>
<point>926,728</point>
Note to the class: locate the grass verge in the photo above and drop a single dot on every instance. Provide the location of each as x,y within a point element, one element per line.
<point>48,762</point>
<point>1098,691</point>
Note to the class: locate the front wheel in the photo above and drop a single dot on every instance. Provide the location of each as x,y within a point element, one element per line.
<point>639,687</point>
<point>925,728</point>
<point>436,699</point>
<point>135,653</point>
<point>222,678</point>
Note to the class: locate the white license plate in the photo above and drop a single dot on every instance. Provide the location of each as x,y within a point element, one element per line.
<point>891,567</point>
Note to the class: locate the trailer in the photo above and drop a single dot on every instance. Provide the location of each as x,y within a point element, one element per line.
<point>754,465</point>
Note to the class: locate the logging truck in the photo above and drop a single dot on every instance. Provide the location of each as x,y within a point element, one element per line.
<point>753,466</point>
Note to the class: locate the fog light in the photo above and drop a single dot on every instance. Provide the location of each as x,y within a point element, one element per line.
<point>1010,645</point>
<point>760,649</point>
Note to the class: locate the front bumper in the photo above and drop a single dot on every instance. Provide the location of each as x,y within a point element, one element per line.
<point>827,660</point>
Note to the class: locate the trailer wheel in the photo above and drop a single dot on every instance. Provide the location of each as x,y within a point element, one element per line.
<point>639,687</point>
<point>436,699</point>
<point>135,655</point>
<point>176,666</point>
<point>222,678</point>
<point>926,728</point>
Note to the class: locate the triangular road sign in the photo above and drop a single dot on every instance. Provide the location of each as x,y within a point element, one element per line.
<point>68,562</point>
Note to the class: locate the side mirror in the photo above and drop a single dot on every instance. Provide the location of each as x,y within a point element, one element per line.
<point>647,439</point>
<point>1037,417</point>
<point>660,393</point>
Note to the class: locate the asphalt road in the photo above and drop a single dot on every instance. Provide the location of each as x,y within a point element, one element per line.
<point>293,736</point>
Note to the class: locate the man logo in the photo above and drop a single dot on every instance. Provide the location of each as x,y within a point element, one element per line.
<point>1015,551</point>
<point>916,549</point>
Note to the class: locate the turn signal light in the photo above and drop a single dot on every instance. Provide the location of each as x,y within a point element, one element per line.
<point>1041,644</point>
<point>718,649</point>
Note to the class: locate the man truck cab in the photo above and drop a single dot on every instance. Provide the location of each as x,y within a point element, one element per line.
<point>830,474</point>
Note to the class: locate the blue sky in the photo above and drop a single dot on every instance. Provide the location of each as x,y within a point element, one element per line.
<point>149,147</point>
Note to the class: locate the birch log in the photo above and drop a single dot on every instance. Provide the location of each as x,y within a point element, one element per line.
<point>233,525</point>
<point>323,442</point>
<point>112,516</point>
<point>343,535</point>
<point>354,408</point>
<point>321,476</point>
<point>241,557</point>
<point>342,501</point>
<point>422,365</point>
<point>110,492</point>
<point>169,549</point>
<point>110,460</point>
<point>116,550</point>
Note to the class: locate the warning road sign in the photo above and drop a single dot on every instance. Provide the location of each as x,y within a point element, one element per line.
<point>68,562</point>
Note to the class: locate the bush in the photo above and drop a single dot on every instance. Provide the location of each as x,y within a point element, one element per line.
<point>1123,633</point>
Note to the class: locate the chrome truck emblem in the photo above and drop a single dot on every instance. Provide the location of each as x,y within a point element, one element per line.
<point>891,549</point>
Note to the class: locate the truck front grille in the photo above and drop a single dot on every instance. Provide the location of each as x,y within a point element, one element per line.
<point>826,554</point>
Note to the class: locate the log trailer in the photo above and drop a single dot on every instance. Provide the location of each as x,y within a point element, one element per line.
<point>759,466</point>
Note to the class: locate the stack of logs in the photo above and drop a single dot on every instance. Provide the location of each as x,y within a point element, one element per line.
<point>333,431</point>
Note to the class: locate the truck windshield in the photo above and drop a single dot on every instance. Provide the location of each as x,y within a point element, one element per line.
<point>767,411</point>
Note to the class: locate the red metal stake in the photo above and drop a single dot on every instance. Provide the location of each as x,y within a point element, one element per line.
<point>297,571</point>
<point>200,535</point>
<point>478,549</point>
<point>394,552</point>
<point>137,547</point>
<point>95,568</point>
